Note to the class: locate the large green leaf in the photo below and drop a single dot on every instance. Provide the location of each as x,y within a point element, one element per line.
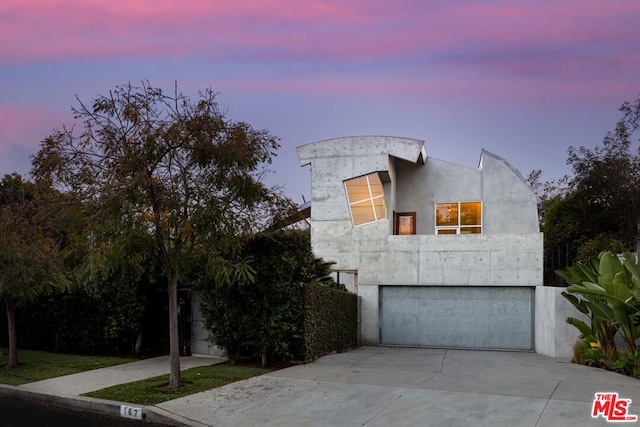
<point>585,330</point>
<point>609,266</point>
<point>578,303</point>
<point>569,276</point>
<point>586,272</point>
<point>591,291</point>
<point>602,311</point>
<point>621,288</point>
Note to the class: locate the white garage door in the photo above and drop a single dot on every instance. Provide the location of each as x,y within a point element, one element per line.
<point>458,317</point>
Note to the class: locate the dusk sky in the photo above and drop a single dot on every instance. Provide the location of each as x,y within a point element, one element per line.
<point>524,79</point>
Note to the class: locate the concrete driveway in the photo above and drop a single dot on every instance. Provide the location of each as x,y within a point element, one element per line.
<point>383,386</point>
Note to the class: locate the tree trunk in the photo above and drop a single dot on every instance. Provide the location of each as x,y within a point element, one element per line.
<point>13,341</point>
<point>174,339</point>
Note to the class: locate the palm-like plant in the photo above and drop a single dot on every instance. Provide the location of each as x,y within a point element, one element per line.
<point>610,294</point>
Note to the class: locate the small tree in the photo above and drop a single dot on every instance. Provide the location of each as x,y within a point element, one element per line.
<point>176,167</point>
<point>29,252</point>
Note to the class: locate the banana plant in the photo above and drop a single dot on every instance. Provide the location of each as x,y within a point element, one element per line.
<point>610,291</point>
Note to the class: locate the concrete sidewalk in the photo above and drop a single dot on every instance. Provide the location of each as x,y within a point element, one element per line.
<point>371,386</point>
<point>97,379</point>
<point>66,390</point>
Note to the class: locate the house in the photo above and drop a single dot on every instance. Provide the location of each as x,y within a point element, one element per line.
<point>439,254</point>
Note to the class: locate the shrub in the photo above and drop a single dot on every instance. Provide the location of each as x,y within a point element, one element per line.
<point>262,315</point>
<point>330,321</point>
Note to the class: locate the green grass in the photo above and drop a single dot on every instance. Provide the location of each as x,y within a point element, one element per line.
<point>41,365</point>
<point>153,390</point>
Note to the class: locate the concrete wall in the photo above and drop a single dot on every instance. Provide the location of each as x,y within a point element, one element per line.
<point>452,260</point>
<point>554,336</point>
<point>507,253</point>
<point>420,187</point>
<point>509,205</point>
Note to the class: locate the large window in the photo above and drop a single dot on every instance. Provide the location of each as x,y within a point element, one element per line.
<point>366,199</point>
<point>459,218</point>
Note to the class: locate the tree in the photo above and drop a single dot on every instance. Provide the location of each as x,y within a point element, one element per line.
<point>29,251</point>
<point>115,272</point>
<point>173,166</point>
<point>546,191</point>
<point>601,204</point>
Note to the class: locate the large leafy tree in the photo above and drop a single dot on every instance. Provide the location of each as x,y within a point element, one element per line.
<point>599,209</point>
<point>147,160</point>
<point>30,260</point>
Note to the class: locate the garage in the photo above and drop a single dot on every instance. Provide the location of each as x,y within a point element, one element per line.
<point>457,316</point>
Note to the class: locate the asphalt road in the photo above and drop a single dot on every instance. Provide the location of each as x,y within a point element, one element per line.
<point>22,413</point>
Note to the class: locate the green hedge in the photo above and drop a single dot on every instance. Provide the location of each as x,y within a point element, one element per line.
<point>75,321</point>
<point>330,321</point>
<point>276,316</point>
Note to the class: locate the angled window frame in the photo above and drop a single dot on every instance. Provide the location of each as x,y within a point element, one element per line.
<point>365,196</point>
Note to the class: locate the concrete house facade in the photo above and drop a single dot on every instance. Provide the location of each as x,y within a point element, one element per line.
<point>439,254</point>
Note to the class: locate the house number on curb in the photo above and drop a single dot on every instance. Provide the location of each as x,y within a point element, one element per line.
<point>130,412</point>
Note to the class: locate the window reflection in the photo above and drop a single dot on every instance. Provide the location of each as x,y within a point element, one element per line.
<point>459,218</point>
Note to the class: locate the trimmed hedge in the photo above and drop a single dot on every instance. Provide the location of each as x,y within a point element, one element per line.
<point>330,321</point>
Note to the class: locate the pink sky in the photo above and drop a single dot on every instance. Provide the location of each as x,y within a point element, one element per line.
<point>525,79</point>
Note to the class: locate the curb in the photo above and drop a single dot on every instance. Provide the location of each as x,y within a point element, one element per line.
<point>106,407</point>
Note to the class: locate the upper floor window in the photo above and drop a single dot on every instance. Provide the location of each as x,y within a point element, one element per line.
<point>459,218</point>
<point>366,199</point>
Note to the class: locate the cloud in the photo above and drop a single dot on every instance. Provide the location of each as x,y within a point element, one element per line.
<point>533,50</point>
<point>359,46</point>
<point>313,29</point>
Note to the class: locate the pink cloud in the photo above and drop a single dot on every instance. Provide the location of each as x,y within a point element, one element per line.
<point>58,29</point>
<point>94,28</point>
<point>438,90</point>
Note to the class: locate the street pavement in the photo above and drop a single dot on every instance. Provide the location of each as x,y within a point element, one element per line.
<point>381,386</point>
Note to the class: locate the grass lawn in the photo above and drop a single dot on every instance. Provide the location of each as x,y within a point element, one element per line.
<point>153,390</point>
<point>41,365</point>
